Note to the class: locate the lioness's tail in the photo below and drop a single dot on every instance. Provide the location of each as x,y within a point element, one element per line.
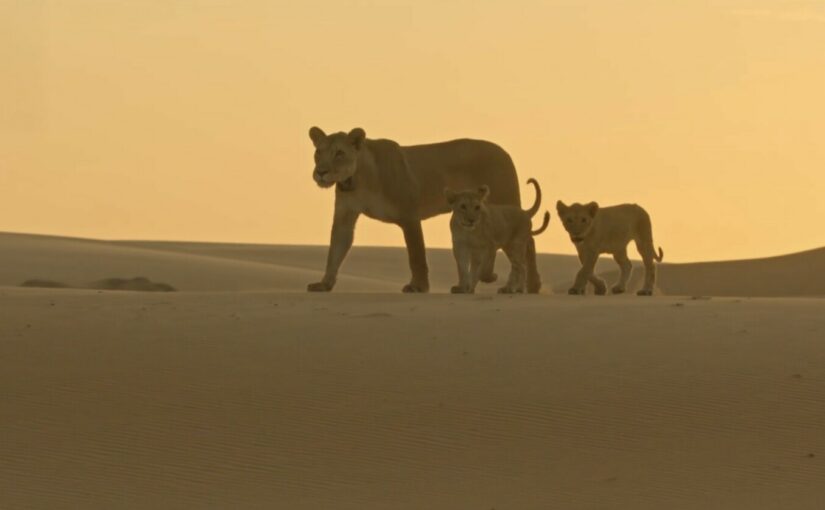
<point>543,226</point>
<point>533,210</point>
<point>660,256</point>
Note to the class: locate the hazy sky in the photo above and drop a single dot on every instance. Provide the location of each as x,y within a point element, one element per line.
<point>174,119</point>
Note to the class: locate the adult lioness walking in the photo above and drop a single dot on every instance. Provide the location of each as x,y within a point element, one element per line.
<point>405,185</point>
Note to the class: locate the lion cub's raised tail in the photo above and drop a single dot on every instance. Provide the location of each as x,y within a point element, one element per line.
<point>660,256</point>
<point>544,223</point>
<point>533,210</point>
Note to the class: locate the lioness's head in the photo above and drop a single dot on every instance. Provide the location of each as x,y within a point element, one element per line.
<point>336,155</point>
<point>468,205</point>
<point>577,218</point>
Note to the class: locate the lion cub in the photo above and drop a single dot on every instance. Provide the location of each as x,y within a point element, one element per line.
<point>597,230</point>
<point>479,229</point>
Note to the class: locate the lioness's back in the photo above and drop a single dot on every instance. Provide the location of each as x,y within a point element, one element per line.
<point>463,164</point>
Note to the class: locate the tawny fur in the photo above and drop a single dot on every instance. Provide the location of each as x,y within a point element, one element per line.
<point>405,185</point>
<point>595,230</point>
<point>480,229</point>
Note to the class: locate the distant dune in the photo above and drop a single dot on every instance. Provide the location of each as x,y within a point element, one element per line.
<point>236,267</point>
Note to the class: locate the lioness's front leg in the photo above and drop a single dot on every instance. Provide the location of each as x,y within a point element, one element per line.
<point>414,238</point>
<point>585,273</point>
<point>343,232</point>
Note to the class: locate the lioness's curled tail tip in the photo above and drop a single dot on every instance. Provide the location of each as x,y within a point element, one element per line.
<point>661,255</point>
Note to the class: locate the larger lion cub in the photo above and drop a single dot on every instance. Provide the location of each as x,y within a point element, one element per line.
<point>596,230</point>
<point>479,229</point>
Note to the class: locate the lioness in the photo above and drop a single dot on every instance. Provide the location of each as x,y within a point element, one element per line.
<point>480,229</point>
<point>596,230</point>
<point>405,185</point>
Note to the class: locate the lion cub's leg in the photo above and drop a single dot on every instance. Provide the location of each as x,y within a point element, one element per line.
<point>585,274</point>
<point>488,274</point>
<point>599,285</point>
<point>626,269</point>
<point>463,260</point>
<point>517,254</point>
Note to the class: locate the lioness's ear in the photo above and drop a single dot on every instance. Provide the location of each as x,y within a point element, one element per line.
<point>316,135</point>
<point>483,192</point>
<point>449,195</point>
<point>356,138</point>
<point>592,209</point>
<point>561,207</point>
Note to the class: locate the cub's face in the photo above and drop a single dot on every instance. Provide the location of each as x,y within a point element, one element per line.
<point>468,206</point>
<point>577,218</point>
<point>336,155</point>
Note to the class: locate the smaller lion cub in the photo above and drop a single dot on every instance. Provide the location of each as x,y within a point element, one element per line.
<point>479,229</point>
<point>596,230</point>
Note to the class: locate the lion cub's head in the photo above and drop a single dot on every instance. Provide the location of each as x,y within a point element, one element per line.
<point>468,205</point>
<point>577,218</point>
<point>336,155</point>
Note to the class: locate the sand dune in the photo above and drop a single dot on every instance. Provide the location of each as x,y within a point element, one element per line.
<point>77,262</point>
<point>244,391</point>
<point>798,274</point>
<point>290,400</point>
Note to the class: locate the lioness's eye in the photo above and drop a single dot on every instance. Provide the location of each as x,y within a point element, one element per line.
<point>478,207</point>
<point>339,154</point>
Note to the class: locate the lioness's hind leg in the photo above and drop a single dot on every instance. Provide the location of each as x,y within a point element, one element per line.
<point>533,277</point>
<point>648,257</point>
<point>626,268</point>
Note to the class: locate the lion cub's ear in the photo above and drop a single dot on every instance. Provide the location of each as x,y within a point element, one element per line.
<point>561,207</point>
<point>356,137</point>
<point>592,209</point>
<point>483,192</point>
<point>317,136</point>
<point>450,195</point>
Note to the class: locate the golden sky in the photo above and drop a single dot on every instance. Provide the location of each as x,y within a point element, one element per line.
<point>173,119</point>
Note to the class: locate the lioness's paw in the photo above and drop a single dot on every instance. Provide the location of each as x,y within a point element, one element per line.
<point>319,287</point>
<point>576,292</point>
<point>412,288</point>
<point>617,289</point>
<point>458,289</point>
<point>645,292</point>
<point>506,290</point>
<point>489,278</point>
<point>600,290</point>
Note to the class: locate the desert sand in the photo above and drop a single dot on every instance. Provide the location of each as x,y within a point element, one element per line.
<point>243,391</point>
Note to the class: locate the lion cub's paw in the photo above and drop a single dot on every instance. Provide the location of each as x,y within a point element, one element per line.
<point>645,292</point>
<point>600,290</point>
<point>319,287</point>
<point>617,289</point>
<point>458,289</point>
<point>576,292</point>
<point>413,288</point>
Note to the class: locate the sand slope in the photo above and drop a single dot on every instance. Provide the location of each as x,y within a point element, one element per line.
<point>79,261</point>
<point>241,267</point>
<point>291,400</point>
